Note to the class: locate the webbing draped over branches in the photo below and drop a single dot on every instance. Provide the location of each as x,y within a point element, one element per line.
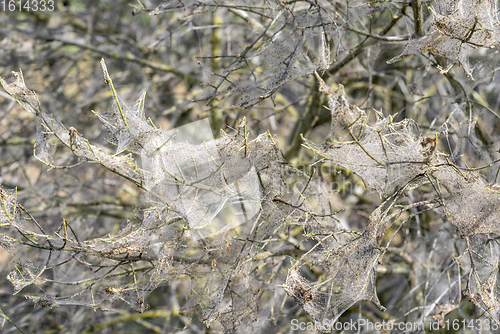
<point>179,235</point>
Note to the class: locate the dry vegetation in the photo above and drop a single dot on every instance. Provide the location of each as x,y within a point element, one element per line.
<point>311,160</point>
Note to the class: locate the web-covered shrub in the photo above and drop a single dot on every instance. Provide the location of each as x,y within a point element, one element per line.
<point>184,233</point>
